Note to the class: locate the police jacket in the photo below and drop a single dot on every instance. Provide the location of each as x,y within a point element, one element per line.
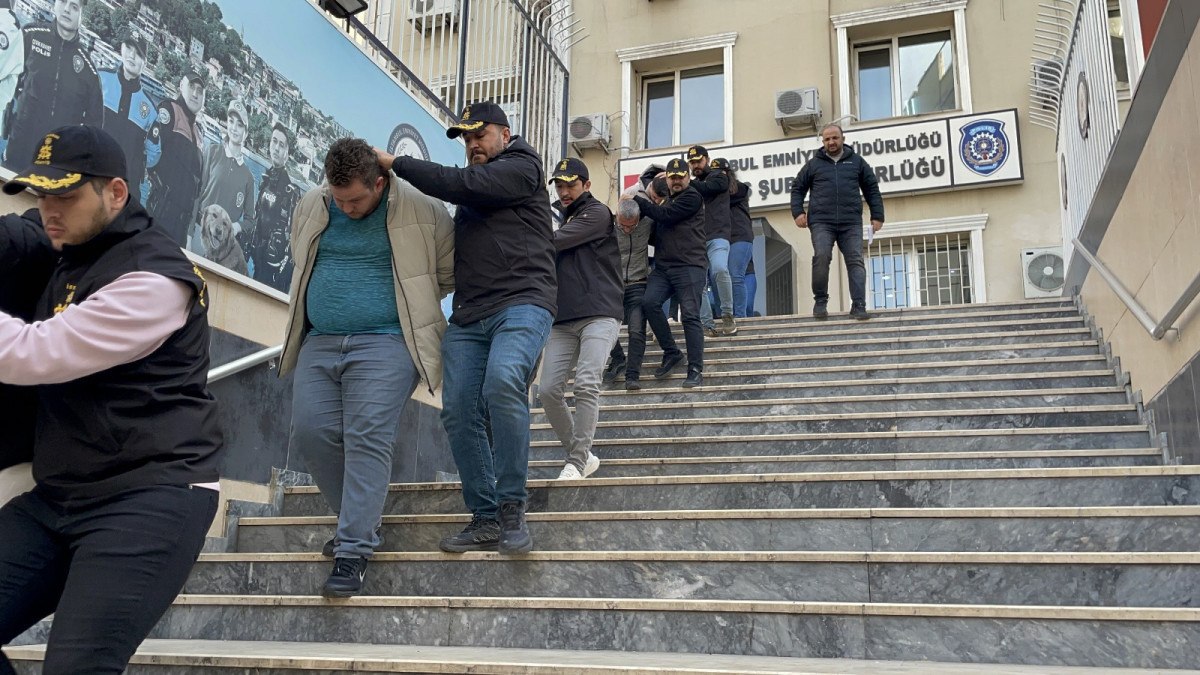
<point>503,240</point>
<point>26,261</point>
<point>588,262</point>
<point>147,422</point>
<point>833,189</point>
<point>713,185</point>
<point>741,229</point>
<point>173,152</point>
<point>277,200</point>
<point>678,235</point>
<point>59,87</point>
<point>129,115</point>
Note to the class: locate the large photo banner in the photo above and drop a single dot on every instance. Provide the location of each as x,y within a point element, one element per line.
<point>225,109</point>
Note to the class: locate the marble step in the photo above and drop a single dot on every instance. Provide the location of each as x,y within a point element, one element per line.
<point>913,461</point>
<point>944,343</point>
<point>1025,635</point>
<point>1092,486</point>
<point>879,387</point>
<point>1064,529</point>
<point>180,657</point>
<point>767,325</point>
<point>1004,578</point>
<point>908,420</point>
<point>862,442</point>
<point>779,358</point>
<point>1082,396</point>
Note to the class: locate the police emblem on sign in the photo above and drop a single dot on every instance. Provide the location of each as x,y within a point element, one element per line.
<point>407,141</point>
<point>77,63</point>
<point>984,147</point>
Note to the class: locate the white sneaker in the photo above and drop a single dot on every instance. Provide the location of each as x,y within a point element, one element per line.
<point>589,467</point>
<point>569,472</point>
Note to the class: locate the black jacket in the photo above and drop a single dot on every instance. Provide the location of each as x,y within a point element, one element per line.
<point>739,214</point>
<point>278,197</point>
<point>678,236</point>
<point>26,261</point>
<point>503,239</point>
<point>833,190</point>
<point>175,177</point>
<point>59,87</point>
<point>713,185</point>
<point>147,422</point>
<point>588,263</point>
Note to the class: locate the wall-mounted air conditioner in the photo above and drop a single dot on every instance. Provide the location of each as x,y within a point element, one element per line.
<point>426,15</point>
<point>589,131</point>
<point>797,106</point>
<point>1046,82</point>
<point>1043,271</point>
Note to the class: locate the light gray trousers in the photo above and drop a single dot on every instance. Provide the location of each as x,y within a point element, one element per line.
<point>583,344</point>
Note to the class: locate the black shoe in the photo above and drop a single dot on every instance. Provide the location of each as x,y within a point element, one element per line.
<point>859,312</point>
<point>514,534</point>
<point>614,369</point>
<point>327,549</point>
<point>632,384</point>
<point>821,311</point>
<point>483,534</point>
<point>668,364</point>
<point>694,379</point>
<point>346,580</point>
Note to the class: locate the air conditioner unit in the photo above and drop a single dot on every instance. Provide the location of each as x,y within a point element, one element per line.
<point>797,105</point>
<point>425,15</point>
<point>1043,270</point>
<point>1046,82</point>
<point>589,131</point>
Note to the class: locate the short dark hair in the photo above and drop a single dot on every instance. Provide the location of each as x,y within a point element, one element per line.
<point>287,135</point>
<point>351,159</point>
<point>659,185</point>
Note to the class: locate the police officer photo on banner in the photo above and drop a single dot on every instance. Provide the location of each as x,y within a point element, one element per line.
<point>225,110</point>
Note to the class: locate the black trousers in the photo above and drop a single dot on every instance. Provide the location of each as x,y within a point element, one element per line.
<point>107,570</point>
<point>686,283</point>
<point>635,319</point>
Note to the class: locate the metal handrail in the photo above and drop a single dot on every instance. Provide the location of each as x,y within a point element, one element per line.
<point>1157,330</point>
<point>238,365</point>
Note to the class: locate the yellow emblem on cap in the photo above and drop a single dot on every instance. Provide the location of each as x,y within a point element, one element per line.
<point>44,183</point>
<point>466,113</point>
<point>562,166</point>
<point>43,156</point>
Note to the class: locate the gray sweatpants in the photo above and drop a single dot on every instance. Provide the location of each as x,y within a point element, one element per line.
<point>583,344</point>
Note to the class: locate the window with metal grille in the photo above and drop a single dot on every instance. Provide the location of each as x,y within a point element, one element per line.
<point>920,271</point>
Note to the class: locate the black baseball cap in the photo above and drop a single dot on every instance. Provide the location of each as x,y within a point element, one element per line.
<point>67,157</point>
<point>677,167</point>
<point>197,74</point>
<point>570,170</point>
<point>475,116</point>
<point>718,163</point>
<point>127,37</point>
<point>696,152</point>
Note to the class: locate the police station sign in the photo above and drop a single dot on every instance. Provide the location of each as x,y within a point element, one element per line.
<point>959,152</point>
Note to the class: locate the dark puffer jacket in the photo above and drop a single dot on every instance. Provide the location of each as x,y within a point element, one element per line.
<point>836,191</point>
<point>589,279</point>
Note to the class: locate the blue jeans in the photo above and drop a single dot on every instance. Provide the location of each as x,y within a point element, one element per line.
<point>850,243</point>
<point>718,273</point>
<point>488,367</point>
<point>751,291</point>
<point>686,283</point>
<point>740,253</point>
<point>346,403</point>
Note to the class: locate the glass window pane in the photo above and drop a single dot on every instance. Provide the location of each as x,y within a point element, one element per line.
<point>660,113</point>
<point>927,73</point>
<point>874,84</point>
<point>1116,37</point>
<point>702,105</point>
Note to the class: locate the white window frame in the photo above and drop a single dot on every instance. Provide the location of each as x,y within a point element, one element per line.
<point>630,57</point>
<point>892,44</point>
<point>973,224</point>
<point>1135,59</point>
<point>644,102</point>
<point>842,23</point>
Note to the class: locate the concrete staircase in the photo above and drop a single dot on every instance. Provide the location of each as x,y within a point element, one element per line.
<point>967,485</point>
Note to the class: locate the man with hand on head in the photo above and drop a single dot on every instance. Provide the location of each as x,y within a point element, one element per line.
<point>127,446</point>
<point>589,315</point>
<point>504,305</point>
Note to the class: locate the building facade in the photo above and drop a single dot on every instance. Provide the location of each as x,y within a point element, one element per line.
<point>935,94</point>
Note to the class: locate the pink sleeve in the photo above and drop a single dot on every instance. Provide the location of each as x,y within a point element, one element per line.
<point>122,322</point>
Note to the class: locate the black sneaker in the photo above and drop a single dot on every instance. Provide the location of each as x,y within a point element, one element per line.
<point>483,534</point>
<point>694,379</point>
<point>514,534</point>
<point>346,580</point>
<point>614,369</point>
<point>821,311</point>
<point>327,549</point>
<point>632,384</point>
<point>668,364</point>
<point>859,312</point>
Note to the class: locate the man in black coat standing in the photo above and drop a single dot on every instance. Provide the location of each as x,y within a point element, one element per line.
<point>836,180</point>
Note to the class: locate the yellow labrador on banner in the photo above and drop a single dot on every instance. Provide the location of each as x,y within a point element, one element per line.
<point>220,243</point>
